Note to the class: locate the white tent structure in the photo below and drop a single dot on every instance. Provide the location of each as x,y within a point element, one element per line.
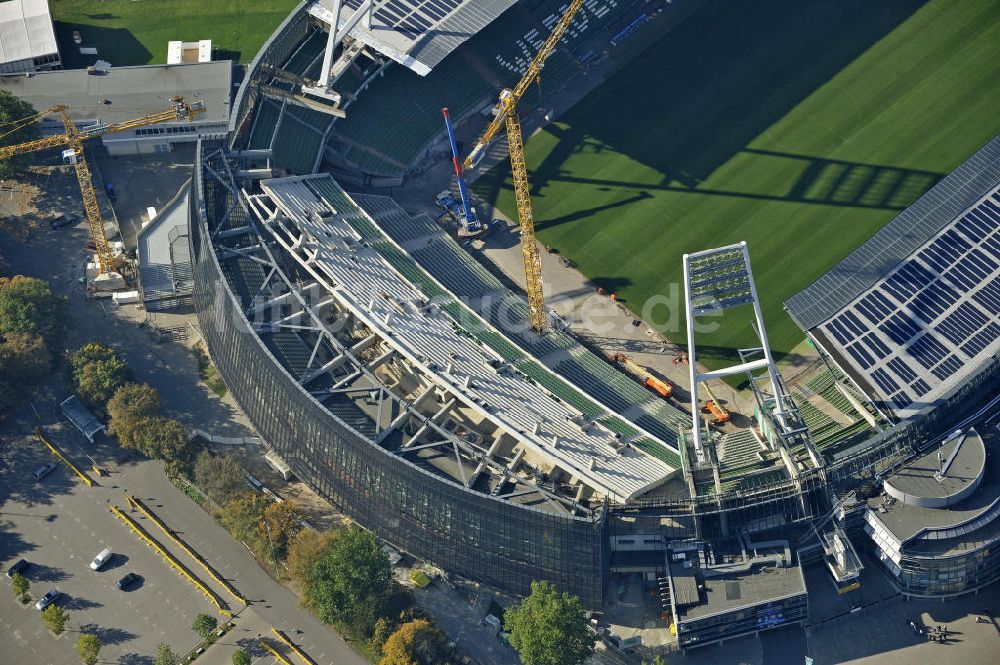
<point>27,39</point>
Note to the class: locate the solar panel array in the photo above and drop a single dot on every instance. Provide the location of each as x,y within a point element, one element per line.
<point>897,240</point>
<point>912,333</point>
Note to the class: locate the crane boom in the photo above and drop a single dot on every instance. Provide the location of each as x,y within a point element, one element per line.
<point>73,139</point>
<point>530,75</point>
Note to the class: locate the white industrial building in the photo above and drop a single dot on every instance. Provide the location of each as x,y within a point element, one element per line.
<point>27,39</point>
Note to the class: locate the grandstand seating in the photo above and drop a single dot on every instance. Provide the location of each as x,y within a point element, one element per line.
<point>739,450</point>
<point>465,277</point>
<point>299,138</point>
<point>400,113</point>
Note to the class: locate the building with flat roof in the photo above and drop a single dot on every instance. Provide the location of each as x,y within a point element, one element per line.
<point>27,39</point>
<point>936,526</point>
<point>717,595</point>
<point>123,93</point>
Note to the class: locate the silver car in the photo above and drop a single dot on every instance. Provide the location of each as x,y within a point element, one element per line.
<point>50,597</point>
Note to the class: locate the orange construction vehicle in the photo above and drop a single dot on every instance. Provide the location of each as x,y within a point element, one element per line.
<point>720,414</point>
<point>662,388</point>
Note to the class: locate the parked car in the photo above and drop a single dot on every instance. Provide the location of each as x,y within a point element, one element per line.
<point>45,470</point>
<point>18,567</point>
<point>102,558</point>
<point>50,597</point>
<point>127,581</point>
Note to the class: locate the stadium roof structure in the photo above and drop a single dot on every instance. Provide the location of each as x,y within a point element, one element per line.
<point>311,228</point>
<point>123,93</point>
<point>898,239</point>
<point>417,33</point>
<point>914,311</point>
<point>26,30</point>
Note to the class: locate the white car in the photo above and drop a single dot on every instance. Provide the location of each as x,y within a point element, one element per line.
<point>101,559</point>
<point>46,600</point>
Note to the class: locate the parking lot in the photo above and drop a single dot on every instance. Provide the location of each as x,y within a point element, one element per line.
<point>59,525</point>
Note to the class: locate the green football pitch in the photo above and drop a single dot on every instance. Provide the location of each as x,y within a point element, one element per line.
<point>799,126</point>
<point>136,32</point>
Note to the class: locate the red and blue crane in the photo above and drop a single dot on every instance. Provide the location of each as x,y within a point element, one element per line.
<point>470,222</point>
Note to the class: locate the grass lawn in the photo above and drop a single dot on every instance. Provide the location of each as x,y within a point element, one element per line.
<point>799,126</point>
<point>136,32</point>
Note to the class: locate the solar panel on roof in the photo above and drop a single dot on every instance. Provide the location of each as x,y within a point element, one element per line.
<point>981,340</point>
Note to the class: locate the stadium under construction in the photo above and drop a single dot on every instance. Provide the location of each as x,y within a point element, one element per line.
<point>405,382</point>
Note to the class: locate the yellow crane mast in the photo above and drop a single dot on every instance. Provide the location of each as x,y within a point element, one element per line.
<point>505,114</point>
<point>72,143</point>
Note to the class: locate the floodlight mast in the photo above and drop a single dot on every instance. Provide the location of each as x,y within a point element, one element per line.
<point>716,280</point>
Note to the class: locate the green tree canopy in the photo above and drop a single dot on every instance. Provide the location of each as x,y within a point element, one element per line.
<point>219,476</point>
<point>549,628</point>
<point>54,618</point>
<point>204,624</point>
<point>350,578</point>
<point>242,515</point>
<point>13,109</point>
<point>97,373</point>
<point>416,642</point>
<point>130,405</point>
<point>166,439</point>
<point>24,360</point>
<point>19,585</point>
<point>241,657</point>
<point>88,647</point>
<point>28,305</point>
<point>165,655</point>
<point>279,525</point>
<point>304,551</point>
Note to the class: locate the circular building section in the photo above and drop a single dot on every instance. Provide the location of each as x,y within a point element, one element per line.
<point>944,476</point>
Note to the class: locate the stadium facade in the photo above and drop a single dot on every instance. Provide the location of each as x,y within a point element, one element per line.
<point>395,375</point>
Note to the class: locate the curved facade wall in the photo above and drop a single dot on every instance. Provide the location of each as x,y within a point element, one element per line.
<point>470,534</point>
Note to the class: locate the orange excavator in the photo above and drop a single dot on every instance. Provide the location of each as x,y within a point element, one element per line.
<point>659,386</point>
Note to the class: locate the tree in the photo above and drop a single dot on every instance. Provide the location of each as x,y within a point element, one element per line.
<point>54,618</point>
<point>165,439</point>
<point>416,642</point>
<point>279,524</point>
<point>20,585</point>
<point>165,655</point>
<point>28,305</point>
<point>241,657</point>
<point>13,109</point>
<point>88,647</point>
<point>383,629</point>
<point>549,628</point>
<point>97,373</point>
<point>351,576</point>
<point>204,624</point>
<point>304,551</point>
<point>219,476</point>
<point>24,357</point>
<point>130,405</point>
<point>242,514</point>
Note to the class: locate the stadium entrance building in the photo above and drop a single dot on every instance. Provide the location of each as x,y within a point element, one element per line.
<point>936,527</point>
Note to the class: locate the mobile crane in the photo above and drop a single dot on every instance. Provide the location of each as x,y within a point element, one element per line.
<point>505,113</point>
<point>72,143</point>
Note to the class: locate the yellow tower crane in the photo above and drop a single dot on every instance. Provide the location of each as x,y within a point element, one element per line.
<point>72,143</point>
<point>505,113</point>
